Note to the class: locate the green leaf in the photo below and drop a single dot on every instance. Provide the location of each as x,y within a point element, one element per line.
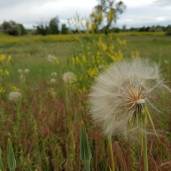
<point>1,161</point>
<point>11,156</point>
<point>85,151</point>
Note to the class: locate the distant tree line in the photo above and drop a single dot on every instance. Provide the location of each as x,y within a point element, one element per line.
<point>17,29</point>
<point>54,27</point>
<point>154,28</point>
<point>51,28</point>
<point>101,20</point>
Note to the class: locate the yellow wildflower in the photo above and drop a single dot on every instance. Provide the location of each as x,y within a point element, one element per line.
<point>92,72</point>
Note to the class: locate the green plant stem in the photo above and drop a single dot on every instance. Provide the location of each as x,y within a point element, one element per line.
<point>145,155</point>
<point>87,165</point>
<point>111,153</point>
<point>151,122</point>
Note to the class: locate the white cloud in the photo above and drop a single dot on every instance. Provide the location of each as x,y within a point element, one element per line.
<point>138,3</point>
<point>145,13</point>
<point>163,2</point>
<point>35,11</point>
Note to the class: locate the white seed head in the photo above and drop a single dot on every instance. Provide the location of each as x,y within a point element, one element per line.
<point>69,77</point>
<point>14,96</point>
<point>52,80</point>
<point>51,58</point>
<point>22,77</point>
<point>119,94</point>
<point>26,71</point>
<point>53,74</point>
<point>52,92</point>
<point>20,71</point>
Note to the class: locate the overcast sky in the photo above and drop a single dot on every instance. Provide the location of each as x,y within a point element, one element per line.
<point>32,12</point>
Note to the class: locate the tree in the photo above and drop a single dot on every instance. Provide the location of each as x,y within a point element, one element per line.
<point>41,29</point>
<point>105,14</point>
<point>13,28</point>
<point>54,26</point>
<point>64,29</point>
<point>168,30</point>
<point>96,18</point>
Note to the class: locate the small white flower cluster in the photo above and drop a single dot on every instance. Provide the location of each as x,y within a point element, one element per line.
<point>23,73</point>
<point>14,96</point>
<point>53,74</point>
<point>53,79</point>
<point>52,58</point>
<point>52,92</point>
<point>69,77</point>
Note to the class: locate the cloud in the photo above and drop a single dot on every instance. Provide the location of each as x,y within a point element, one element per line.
<point>13,3</point>
<point>137,3</point>
<point>163,2</point>
<point>143,16</point>
<point>32,12</point>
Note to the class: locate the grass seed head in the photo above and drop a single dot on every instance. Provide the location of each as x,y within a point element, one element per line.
<point>14,96</point>
<point>69,77</point>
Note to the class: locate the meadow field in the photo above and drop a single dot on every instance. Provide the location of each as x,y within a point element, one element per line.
<point>47,125</point>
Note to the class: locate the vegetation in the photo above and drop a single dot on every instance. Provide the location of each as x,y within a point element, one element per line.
<point>48,127</point>
<point>168,32</point>
<point>105,12</point>
<point>12,28</point>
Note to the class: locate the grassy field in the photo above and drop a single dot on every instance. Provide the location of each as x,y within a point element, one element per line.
<point>32,50</point>
<point>41,131</point>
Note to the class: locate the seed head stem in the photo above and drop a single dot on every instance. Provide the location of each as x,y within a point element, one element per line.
<point>144,138</point>
<point>111,153</point>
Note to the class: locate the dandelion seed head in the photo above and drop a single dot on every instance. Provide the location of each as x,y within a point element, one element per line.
<point>52,80</point>
<point>53,74</point>
<point>20,71</point>
<point>22,77</point>
<point>26,71</point>
<point>69,77</point>
<point>51,58</point>
<point>14,96</point>
<point>120,93</point>
<point>52,92</point>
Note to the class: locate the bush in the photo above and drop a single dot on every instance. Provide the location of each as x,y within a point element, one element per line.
<point>41,29</point>
<point>54,26</point>
<point>168,32</point>
<point>64,29</point>
<point>13,28</point>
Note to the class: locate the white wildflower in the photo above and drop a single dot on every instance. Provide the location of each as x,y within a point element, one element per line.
<point>26,71</point>
<point>121,92</point>
<point>14,96</point>
<point>52,92</point>
<point>22,77</point>
<point>53,74</point>
<point>51,58</point>
<point>166,61</point>
<point>20,71</point>
<point>69,77</point>
<point>52,80</point>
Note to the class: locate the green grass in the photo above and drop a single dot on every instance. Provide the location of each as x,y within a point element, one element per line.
<point>33,49</point>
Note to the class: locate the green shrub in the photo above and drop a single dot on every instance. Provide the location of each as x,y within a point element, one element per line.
<point>13,28</point>
<point>168,32</point>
